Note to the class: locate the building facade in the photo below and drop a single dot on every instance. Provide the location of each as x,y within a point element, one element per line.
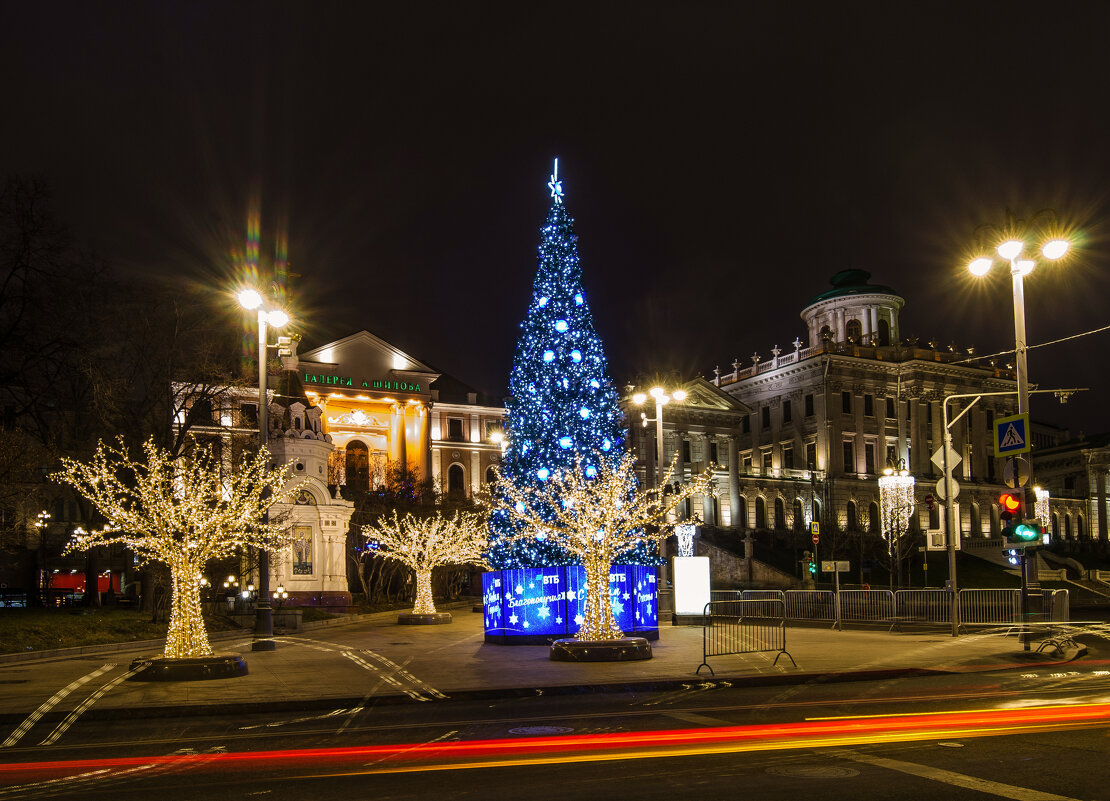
<point>811,429</point>
<point>347,415</point>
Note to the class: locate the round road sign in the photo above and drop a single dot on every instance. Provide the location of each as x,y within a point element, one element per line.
<point>816,538</point>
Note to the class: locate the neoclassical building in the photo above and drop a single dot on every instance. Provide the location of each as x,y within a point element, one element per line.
<point>811,428</point>
<point>344,414</point>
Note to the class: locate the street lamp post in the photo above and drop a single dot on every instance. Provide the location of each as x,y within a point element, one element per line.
<point>1010,249</point>
<point>661,399</point>
<point>41,522</point>
<point>250,299</point>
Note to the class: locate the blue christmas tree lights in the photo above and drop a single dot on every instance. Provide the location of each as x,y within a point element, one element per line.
<point>563,403</point>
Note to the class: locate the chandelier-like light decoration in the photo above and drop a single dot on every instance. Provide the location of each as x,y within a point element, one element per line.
<point>896,502</point>
<point>596,511</point>
<point>685,534</point>
<point>182,512</point>
<point>424,544</point>
<point>1040,506</point>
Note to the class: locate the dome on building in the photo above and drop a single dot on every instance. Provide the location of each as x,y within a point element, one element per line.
<point>854,311</point>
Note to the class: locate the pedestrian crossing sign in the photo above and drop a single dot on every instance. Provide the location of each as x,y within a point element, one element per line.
<point>1011,435</point>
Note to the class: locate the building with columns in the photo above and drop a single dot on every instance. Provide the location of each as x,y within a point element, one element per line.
<point>803,434</point>
<point>345,414</point>
<point>829,415</point>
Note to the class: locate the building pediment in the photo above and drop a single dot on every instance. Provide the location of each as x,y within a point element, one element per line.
<point>363,361</point>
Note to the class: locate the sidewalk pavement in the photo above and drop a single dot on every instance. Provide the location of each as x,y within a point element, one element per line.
<point>372,659</point>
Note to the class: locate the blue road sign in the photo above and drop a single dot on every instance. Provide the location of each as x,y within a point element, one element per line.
<point>1011,435</point>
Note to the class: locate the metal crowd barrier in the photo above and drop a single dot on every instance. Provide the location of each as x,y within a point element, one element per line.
<point>866,606</point>
<point>989,606</point>
<point>743,627</point>
<point>811,605</point>
<point>922,606</point>
<point>1057,606</point>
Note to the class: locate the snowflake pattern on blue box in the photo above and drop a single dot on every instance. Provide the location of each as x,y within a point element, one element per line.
<point>547,601</point>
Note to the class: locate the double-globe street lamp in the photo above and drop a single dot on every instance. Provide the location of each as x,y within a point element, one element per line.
<point>659,394</point>
<point>251,300</point>
<point>1016,241</point>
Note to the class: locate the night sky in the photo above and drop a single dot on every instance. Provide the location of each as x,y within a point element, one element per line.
<point>722,161</point>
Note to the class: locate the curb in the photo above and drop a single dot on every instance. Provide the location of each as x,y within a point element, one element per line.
<point>393,699</point>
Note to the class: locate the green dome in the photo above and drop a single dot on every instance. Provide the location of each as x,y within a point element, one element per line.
<point>853,282</point>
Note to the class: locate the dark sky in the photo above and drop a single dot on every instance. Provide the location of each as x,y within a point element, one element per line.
<point>721,161</point>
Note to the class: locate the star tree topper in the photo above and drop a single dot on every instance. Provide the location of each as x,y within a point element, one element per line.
<point>555,185</point>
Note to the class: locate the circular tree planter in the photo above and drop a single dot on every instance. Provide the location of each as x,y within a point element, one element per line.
<point>626,649</point>
<point>199,668</point>
<point>431,619</point>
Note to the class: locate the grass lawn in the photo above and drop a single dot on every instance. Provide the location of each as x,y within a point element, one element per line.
<point>45,629</point>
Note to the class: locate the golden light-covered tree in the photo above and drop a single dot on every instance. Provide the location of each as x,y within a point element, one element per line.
<point>425,543</point>
<point>597,512</point>
<point>182,512</point>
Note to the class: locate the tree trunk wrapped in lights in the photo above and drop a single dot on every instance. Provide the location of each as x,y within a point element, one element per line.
<point>596,512</point>
<point>182,512</point>
<point>424,544</point>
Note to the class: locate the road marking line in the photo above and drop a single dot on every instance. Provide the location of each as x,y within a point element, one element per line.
<point>72,717</point>
<point>694,717</point>
<point>275,723</point>
<point>416,695</point>
<point>949,777</point>
<point>49,704</point>
<point>399,669</point>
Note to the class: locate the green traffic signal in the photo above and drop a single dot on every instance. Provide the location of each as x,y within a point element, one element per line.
<point>1022,532</point>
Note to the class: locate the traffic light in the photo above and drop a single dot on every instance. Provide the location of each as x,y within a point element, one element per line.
<point>1018,531</point>
<point>1011,506</point>
<point>812,568</point>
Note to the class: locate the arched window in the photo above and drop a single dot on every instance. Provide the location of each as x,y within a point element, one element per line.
<point>884,332</point>
<point>456,481</point>
<point>760,513</point>
<point>799,516</point>
<point>491,475</point>
<point>851,521</point>
<point>826,333</point>
<point>1080,531</point>
<point>873,518</point>
<point>976,525</point>
<point>1067,526</point>
<point>1055,525</point>
<point>780,515</point>
<point>853,329</point>
<point>358,466</point>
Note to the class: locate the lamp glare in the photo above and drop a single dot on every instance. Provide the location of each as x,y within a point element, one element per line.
<point>1055,248</point>
<point>277,318</point>
<point>1025,266</point>
<point>980,266</point>
<point>250,299</point>
<point>1011,249</point>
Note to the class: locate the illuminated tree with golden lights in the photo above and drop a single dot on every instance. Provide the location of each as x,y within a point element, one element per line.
<point>182,512</point>
<point>425,543</point>
<point>597,514</point>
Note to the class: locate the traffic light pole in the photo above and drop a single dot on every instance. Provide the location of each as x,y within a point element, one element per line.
<point>951,531</point>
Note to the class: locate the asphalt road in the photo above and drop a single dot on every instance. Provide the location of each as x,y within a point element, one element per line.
<point>907,738</point>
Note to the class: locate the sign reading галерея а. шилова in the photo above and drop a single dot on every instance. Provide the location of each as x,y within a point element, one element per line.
<point>384,384</point>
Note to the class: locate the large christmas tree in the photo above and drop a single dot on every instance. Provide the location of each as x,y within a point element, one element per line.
<point>563,405</point>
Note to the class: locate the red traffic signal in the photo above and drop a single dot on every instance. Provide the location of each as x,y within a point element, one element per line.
<point>1011,505</point>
